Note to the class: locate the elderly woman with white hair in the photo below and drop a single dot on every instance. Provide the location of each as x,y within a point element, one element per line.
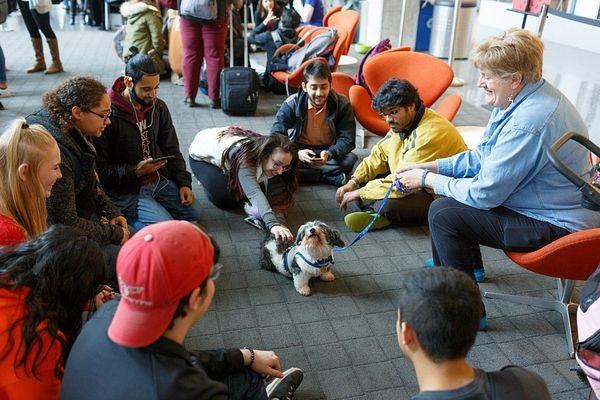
<point>505,193</point>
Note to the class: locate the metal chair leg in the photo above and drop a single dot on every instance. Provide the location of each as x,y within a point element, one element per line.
<point>562,305</point>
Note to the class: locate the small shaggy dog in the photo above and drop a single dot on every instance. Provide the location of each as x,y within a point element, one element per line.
<point>309,257</point>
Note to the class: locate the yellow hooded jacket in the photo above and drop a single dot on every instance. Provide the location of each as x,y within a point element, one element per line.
<point>435,137</point>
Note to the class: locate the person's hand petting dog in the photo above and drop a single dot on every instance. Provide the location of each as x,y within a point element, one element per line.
<point>282,233</point>
<point>265,363</point>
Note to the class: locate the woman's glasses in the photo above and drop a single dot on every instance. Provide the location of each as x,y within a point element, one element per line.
<point>279,165</point>
<point>104,117</point>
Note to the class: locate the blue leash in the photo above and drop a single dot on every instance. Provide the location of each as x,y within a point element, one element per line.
<point>362,233</point>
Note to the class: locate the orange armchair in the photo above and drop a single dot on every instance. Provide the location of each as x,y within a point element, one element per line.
<point>570,258</point>
<point>346,21</point>
<point>428,74</point>
<point>295,78</point>
<point>329,13</point>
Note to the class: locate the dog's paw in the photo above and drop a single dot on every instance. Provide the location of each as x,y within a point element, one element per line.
<point>304,290</point>
<point>327,276</point>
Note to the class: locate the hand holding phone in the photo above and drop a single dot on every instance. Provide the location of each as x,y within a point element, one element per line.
<point>165,158</point>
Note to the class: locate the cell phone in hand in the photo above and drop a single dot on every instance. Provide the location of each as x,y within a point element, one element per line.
<point>165,158</point>
<point>316,159</point>
<point>253,222</point>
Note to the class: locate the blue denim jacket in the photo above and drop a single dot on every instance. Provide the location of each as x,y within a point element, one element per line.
<point>510,167</point>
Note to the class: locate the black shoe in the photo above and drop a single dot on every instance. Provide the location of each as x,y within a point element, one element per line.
<point>72,22</point>
<point>284,388</point>
<point>216,103</point>
<point>190,102</point>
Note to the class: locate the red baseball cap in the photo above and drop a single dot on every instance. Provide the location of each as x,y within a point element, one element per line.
<point>156,268</point>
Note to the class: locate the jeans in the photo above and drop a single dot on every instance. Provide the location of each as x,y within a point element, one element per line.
<point>309,174</point>
<point>246,385</point>
<point>156,202</point>
<point>2,67</point>
<point>457,231</point>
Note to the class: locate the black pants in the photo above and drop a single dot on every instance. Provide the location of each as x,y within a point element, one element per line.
<point>457,231</point>
<point>334,166</point>
<point>407,210</point>
<point>36,22</point>
<point>215,184</point>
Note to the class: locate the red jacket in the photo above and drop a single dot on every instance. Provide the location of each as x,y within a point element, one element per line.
<point>11,233</point>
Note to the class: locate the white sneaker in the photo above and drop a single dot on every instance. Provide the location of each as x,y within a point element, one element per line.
<point>284,388</point>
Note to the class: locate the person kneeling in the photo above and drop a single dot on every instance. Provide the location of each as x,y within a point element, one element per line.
<point>437,324</point>
<point>417,133</point>
<point>133,347</point>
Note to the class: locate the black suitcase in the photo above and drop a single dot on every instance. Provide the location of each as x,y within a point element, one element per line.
<point>239,85</point>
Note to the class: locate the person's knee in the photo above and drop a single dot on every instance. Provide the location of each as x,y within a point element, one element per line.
<point>348,162</point>
<point>440,211</point>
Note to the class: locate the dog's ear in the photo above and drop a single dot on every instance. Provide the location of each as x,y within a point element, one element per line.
<point>300,234</point>
<point>333,237</point>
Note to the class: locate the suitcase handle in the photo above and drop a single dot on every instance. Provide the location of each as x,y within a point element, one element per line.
<point>231,55</point>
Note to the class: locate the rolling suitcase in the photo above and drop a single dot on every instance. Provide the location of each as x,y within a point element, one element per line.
<point>239,85</point>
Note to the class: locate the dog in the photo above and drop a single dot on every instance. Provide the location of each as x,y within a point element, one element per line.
<point>310,256</point>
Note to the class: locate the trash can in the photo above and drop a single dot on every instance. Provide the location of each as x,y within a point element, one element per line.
<point>441,28</point>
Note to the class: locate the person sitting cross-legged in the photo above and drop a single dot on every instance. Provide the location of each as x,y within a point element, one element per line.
<point>437,324</point>
<point>133,347</point>
<point>321,123</point>
<point>146,187</point>
<point>417,133</point>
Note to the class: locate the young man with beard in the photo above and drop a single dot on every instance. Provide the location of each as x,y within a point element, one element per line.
<point>321,122</point>
<point>139,162</point>
<point>417,134</point>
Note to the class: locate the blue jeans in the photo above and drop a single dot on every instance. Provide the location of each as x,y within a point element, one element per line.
<point>2,67</point>
<point>246,385</point>
<point>156,202</point>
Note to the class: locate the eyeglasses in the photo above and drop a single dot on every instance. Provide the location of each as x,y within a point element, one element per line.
<point>279,164</point>
<point>104,117</point>
<point>215,272</point>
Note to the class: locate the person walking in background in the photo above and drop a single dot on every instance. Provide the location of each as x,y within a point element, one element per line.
<point>36,15</point>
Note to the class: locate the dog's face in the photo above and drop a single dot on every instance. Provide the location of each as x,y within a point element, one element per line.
<point>316,234</point>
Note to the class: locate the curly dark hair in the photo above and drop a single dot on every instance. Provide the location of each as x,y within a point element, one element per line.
<point>82,91</point>
<point>252,150</point>
<point>139,64</point>
<point>61,269</point>
<point>396,93</point>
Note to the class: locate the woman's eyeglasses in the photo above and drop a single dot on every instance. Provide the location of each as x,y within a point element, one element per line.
<point>279,164</point>
<point>104,117</point>
<point>215,272</point>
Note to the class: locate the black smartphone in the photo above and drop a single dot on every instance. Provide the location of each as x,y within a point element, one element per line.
<point>165,158</point>
<point>253,222</point>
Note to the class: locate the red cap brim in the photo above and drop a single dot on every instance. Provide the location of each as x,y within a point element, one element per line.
<point>132,327</point>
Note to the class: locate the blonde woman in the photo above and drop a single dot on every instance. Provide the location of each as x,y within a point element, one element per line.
<point>29,167</point>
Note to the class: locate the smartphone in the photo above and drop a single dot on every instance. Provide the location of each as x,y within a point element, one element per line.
<point>253,222</point>
<point>165,158</point>
<point>316,159</point>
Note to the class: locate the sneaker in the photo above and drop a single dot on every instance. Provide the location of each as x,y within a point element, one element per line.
<point>478,272</point>
<point>357,221</point>
<point>284,388</point>
<point>335,180</point>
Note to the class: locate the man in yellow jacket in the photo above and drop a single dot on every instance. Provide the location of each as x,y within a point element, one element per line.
<point>417,135</point>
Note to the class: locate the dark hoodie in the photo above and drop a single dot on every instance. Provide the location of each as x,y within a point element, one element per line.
<point>121,147</point>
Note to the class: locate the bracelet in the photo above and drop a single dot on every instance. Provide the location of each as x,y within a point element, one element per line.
<point>425,172</point>
<point>251,356</point>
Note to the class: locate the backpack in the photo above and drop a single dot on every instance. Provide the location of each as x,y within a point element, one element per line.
<point>588,326</point>
<point>321,46</point>
<point>380,47</point>
<point>201,11</point>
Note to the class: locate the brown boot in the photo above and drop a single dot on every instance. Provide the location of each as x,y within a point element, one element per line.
<point>40,63</point>
<point>56,65</point>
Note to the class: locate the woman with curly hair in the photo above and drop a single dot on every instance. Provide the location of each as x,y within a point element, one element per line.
<point>79,109</point>
<point>44,286</point>
<point>29,167</point>
<point>235,164</point>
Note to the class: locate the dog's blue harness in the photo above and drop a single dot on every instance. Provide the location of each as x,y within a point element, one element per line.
<point>320,263</point>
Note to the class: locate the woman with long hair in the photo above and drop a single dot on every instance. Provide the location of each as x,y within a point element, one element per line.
<point>29,167</point>
<point>235,164</point>
<point>44,286</point>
